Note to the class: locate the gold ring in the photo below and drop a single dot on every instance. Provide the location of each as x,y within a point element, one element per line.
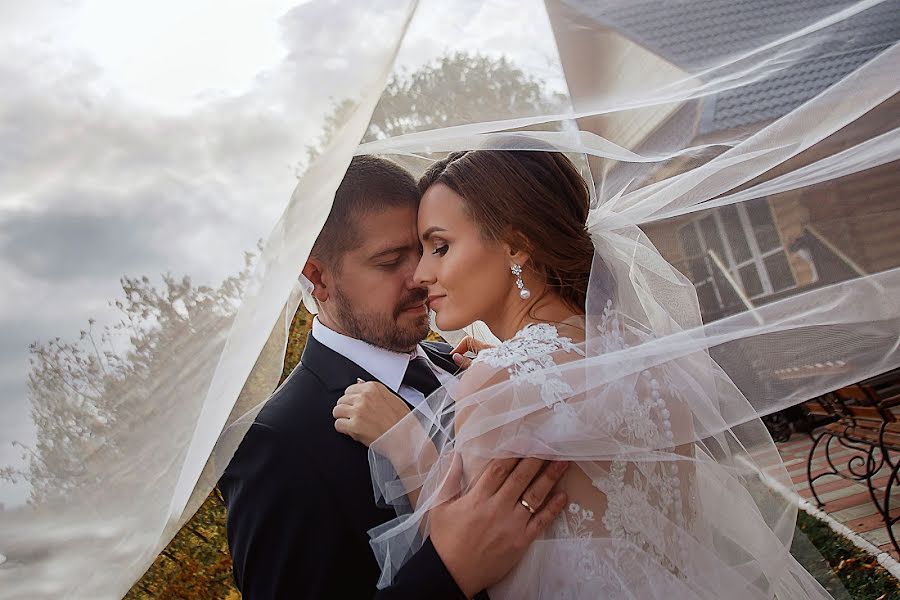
<point>526,505</point>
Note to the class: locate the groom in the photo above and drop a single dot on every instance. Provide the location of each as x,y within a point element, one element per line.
<point>299,494</point>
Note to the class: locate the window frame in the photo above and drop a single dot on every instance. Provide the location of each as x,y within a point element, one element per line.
<point>757,256</point>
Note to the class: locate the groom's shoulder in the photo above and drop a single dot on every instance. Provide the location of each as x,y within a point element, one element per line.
<point>302,403</point>
<point>294,426</point>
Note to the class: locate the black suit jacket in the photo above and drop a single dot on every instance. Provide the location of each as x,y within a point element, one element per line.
<point>300,498</point>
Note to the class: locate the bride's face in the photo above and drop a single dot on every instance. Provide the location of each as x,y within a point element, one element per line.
<point>468,277</point>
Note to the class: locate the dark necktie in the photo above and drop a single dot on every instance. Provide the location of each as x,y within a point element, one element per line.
<point>419,376</point>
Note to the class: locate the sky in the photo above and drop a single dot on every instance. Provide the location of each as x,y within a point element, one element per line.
<point>142,138</point>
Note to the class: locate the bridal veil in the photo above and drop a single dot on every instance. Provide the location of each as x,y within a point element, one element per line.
<point>742,159</point>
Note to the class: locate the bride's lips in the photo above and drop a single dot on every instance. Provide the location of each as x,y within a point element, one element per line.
<point>433,299</point>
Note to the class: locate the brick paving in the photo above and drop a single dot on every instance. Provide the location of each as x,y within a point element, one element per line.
<point>846,501</point>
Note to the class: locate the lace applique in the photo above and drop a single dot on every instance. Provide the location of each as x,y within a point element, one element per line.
<point>575,526</point>
<point>528,358</point>
<point>577,521</point>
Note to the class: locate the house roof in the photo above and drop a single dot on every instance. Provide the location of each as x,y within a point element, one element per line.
<point>694,34</point>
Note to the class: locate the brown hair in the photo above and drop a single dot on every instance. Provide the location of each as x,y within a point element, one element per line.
<point>530,199</point>
<point>370,184</point>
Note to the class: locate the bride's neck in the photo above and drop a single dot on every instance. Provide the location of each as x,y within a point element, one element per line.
<point>548,308</point>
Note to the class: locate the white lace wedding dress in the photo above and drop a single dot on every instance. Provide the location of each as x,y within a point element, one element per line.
<point>663,501</point>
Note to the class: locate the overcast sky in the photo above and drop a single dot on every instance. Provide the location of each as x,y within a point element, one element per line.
<point>139,138</point>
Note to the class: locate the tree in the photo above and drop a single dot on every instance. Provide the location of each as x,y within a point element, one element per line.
<point>459,88</point>
<point>81,391</point>
<point>195,564</point>
<point>455,89</point>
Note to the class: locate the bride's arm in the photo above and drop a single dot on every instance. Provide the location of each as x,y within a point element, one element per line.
<point>414,444</point>
<point>367,411</point>
<point>374,416</point>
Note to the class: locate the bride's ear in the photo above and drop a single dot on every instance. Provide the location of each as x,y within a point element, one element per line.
<point>315,272</point>
<point>517,249</point>
<point>519,257</point>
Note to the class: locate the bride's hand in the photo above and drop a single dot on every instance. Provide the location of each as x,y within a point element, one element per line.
<point>467,345</point>
<point>367,410</point>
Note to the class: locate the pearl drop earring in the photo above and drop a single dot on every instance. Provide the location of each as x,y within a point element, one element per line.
<point>524,293</point>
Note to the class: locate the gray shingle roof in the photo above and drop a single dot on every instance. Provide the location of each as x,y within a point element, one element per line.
<point>695,34</point>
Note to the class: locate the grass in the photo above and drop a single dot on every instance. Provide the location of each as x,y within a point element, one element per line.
<point>842,568</point>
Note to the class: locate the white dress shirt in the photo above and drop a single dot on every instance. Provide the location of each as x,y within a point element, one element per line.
<point>386,366</point>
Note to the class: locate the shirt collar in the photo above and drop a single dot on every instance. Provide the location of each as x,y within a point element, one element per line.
<point>386,366</point>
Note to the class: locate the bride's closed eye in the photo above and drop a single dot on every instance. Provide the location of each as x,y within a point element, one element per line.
<point>441,250</point>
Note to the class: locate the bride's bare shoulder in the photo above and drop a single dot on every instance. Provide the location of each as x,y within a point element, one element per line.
<point>534,348</point>
<point>479,376</point>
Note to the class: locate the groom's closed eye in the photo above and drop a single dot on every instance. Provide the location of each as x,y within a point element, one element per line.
<point>404,260</point>
<point>387,260</point>
<point>390,259</point>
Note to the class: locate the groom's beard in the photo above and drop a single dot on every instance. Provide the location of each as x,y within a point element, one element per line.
<point>384,331</point>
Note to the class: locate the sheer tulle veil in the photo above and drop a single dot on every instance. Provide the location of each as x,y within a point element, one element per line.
<point>745,215</point>
<point>670,501</point>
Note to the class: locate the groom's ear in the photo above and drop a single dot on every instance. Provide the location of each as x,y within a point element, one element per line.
<point>314,270</point>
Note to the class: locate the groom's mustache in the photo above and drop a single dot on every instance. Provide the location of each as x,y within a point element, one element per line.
<point>414,298</point>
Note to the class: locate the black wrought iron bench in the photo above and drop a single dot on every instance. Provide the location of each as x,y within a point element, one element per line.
<point>864,418</point>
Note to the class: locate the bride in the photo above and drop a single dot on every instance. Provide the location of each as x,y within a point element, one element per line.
<point>665,500</point>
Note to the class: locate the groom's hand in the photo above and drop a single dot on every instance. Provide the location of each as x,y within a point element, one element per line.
<point>482,534</point>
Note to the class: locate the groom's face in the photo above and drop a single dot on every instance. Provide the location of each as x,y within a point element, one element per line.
<point>375,297</point>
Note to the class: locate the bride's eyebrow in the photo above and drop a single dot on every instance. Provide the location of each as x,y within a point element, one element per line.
<point>430,231</point>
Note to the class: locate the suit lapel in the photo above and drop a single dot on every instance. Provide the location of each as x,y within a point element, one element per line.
<point>335,370</point>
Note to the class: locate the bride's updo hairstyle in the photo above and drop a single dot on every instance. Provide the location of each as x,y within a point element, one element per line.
<point>534,200</point>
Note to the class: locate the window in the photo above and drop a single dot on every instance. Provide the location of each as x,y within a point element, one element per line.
<point>745,240</point>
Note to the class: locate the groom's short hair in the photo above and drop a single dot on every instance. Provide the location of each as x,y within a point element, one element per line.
<point>371,184</point>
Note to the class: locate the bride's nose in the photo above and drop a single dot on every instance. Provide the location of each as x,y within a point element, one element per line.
<point>424,275</point>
